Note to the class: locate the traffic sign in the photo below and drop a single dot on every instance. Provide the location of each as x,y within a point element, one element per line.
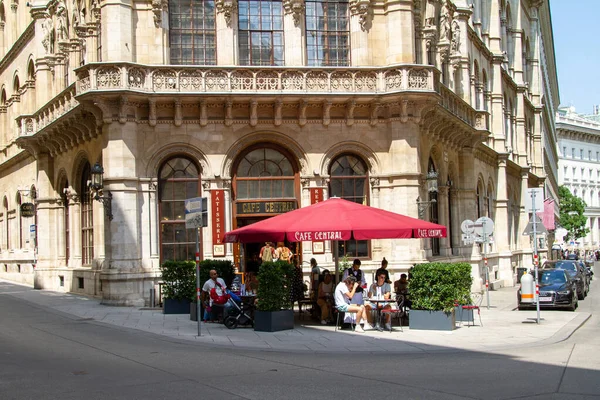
<point>484,226</point>
<point>535,200</point>
<point>539,226</point>
<point>467,226</point>
<point>196,212</point>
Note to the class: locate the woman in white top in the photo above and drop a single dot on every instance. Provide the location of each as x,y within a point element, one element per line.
<point>325,297</point>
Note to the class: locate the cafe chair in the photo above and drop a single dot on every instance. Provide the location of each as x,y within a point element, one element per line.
<point>352,319</point>
<point>395,311</point>
<point>475,304</point>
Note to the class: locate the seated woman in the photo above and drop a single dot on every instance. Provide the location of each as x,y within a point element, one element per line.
<point>381,290</point>
<point>325,297</point>
<point>344,291</point>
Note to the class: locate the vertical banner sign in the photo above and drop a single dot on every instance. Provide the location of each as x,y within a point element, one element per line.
<point>218,222</point>
<point>316,196</point>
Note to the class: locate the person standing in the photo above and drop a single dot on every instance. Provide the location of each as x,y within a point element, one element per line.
<point>383,269</point>
<point>283,253</point>
<point>267,252</point>
<point>358,274</point>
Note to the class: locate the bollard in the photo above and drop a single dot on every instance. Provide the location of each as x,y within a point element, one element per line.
<point>152,297</point>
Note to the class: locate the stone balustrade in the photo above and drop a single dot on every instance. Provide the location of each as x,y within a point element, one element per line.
<point>263,80</point>
<point>251,80</point>
<point>61,104</point>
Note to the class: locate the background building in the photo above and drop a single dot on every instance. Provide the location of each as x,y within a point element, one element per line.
<point>265,106</point>
<point>579,166</point>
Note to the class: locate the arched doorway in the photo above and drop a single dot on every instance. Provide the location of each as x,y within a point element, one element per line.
<point>265,183</point>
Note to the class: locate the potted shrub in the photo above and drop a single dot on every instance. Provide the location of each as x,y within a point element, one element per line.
<point>179,286</point>
<point>434,289</point>
<point>274,309</point>
<point>224,269</point>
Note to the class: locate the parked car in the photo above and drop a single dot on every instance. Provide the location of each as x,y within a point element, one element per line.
<point>557,290</point>
<point>575,271</point>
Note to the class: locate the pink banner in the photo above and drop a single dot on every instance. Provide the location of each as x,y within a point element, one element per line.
<point>548,215</point>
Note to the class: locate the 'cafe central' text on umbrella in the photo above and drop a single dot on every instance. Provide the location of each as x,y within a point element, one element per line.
<point>310,236</point>
<point>428,233</point>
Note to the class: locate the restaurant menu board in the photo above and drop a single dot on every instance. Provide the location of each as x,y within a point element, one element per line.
<point>316,196</point>
<point>217,198</point>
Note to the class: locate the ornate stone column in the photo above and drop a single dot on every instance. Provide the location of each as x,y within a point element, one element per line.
<point>294,32</point>
<point>442,201</point>
<point>360,22</point>
<point>227,27</point>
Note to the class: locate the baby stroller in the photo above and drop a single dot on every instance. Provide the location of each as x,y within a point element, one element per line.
<point>236,312</point>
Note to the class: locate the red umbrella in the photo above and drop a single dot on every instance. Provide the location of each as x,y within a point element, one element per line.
<point>336,219</point>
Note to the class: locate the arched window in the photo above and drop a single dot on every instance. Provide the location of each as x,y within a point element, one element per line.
<point>434,215</point>
<point>87,217</point>
<point>192,32</point>
<point>179,179</point>
<point>476,85</point>
<point>490,201</point>
<point>16,86</point>
<point>264,173</point>
<point>349,181</point>
<point>67,227</point>
<point>479,199</point>
<point>450,212</point>
<point>20,221</point>
<point>327,33</point>
<point>486,90</point>
<point>6,225</point>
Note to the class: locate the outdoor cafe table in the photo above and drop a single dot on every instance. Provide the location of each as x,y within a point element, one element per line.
<point>380,303</point>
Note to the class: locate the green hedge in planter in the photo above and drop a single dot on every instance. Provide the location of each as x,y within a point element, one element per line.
<point>179,279</point>
<point>274,286</point>
<point>437,286</point>
<point>224,269</point>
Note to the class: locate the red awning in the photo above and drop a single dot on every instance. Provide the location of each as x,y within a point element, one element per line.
<point>336,219</point>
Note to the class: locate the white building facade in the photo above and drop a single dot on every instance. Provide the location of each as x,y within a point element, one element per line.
<point>579,167</point>
<point>262,107</point>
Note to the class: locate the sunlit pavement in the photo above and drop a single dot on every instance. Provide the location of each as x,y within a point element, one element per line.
<point>501,327</point>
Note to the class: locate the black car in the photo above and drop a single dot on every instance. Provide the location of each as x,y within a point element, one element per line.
<point>575,271</point>
<point>589,269</point>
<point>557,290</point>
<point>587,275</point>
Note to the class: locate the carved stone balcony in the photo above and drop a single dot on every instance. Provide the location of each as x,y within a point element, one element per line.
<point>256,80</point>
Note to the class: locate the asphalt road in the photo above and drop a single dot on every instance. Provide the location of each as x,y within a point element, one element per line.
<point>48,355</point>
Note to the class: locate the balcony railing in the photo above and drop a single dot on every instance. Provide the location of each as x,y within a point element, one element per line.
<point>247,80</point>
<point>50,112</point>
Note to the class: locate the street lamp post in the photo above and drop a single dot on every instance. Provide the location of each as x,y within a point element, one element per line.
<point>432,187</point>
<point>97,185</point>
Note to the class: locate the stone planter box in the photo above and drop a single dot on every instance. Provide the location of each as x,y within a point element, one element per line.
<point>273,321</point>
<point>171,306</point>
<point>463,316</point>
<point>431,320</point>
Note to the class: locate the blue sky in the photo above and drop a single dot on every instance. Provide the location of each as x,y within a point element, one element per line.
<point>576,27</point>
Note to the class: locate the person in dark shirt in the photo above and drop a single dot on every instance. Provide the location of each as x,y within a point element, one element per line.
<point>383,269</point>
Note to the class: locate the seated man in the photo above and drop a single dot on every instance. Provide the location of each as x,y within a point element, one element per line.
<point>380,290</point>
<point>344,292</point>
<point>220,288</point>
<point>401,285</point>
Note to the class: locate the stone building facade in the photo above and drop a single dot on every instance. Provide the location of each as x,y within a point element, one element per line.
<point>579,167</point>
<point>265,106</point>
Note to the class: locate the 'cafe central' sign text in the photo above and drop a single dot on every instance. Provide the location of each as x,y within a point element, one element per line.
<point>265,207</point>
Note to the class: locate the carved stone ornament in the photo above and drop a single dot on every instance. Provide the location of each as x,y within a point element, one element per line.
<point>157,8</point>
<point>361,8</point>
<point>296,8</point>
<point>227,7</point>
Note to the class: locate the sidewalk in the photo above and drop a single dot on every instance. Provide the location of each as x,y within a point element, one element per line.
<point>502,327</point>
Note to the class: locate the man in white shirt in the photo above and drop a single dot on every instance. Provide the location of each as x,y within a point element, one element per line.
<point>344,292</point>
<point>220,288</point>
